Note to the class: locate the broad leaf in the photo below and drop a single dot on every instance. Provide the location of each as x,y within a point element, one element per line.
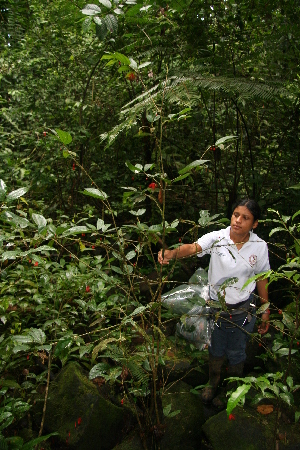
<point>64,136</point>
<point>189,167</point>
<point>39,220</point>
<point>16,194</point>
<point>91,10</point>
<point>96,193</point>
<point>225,139</point>
<point>105,3</point>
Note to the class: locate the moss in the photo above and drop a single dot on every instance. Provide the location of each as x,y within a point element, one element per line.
<point>80,415</point>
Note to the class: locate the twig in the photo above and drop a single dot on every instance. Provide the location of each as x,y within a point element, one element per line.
<point>46,397</point>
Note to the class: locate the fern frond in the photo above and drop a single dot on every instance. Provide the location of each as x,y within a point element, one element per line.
<point>186,91</point>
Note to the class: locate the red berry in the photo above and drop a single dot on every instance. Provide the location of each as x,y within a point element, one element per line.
<point>87,289</point>
<point>93,247</point>
<point>44,133</point>
<point>297,343</point>
<point>79,420</point>
<point>83,234</point>
<point>230,317</point>
<point>279,311</point>
<point>259,344</point>
<point>132,178</point>
<point>179,239</point>
<point>231,417</point>
<point>27,357</point>
<point>122,401</point>
<point>36,264</point>
<point>29,261</point>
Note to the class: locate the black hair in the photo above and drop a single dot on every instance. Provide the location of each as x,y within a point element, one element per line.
<point>252,205</point>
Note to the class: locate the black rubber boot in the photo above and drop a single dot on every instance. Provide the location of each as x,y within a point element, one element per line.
<point>233,371</point>
<point>215,364</point>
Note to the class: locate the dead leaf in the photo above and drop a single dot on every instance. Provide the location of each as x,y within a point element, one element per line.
<point>265,409</point>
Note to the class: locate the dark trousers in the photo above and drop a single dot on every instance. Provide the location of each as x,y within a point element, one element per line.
<point>230,336</point>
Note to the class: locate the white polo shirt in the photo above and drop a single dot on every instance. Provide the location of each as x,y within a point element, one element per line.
<point>227,261</point>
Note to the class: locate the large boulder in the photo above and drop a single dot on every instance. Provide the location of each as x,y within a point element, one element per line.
<point>250,430</point>
<point>82,417</point>
<point>182,431</point>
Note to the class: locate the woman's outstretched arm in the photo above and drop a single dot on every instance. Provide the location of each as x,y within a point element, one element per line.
<point>183,251</point>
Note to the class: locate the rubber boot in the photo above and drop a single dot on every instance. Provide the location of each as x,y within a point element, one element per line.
<point>233,371</point>
<point>215,364</point>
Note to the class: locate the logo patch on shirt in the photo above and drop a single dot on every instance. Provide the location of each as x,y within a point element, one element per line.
<point>252,260</point>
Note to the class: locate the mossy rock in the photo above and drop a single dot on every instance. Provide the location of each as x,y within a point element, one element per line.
<point>249,430</point>
<point>182,431</point>
<point>83,419</point>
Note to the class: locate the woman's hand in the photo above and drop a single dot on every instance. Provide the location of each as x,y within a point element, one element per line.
<point>168,255</point>
<point>264,326</point>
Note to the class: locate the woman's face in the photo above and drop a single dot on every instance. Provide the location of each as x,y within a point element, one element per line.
<point>242,221</point>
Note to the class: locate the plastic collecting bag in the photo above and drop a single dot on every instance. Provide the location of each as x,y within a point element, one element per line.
<point>189,300</point>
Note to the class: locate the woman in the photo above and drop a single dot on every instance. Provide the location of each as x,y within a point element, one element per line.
<point>236,252</point>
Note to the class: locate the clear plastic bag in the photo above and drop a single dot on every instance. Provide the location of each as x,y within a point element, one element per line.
<point>196,327</point>
<point>190,300</point>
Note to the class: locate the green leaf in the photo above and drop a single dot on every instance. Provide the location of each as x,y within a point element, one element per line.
<point>225,139</point>
<point>189,167</point>
<point>181,177</point>
<point>130,255</point>
<point>275,230</point>
<point>12,254</point>
<point>34,442</point>
<point>76,230</point>
<point>14,219</point>
<point>16,194</point>
<point>296,186</point>
<point>42,248</point>
<point>295,215</point>
<point>236,397</point>
<point>38,336</point>
<point>297,415</point>
<point>99,370</point>
<point>105,3</point>
<point>133,168</point>
<point>91,10</point>
<point>39,220</point>
<point>62,345</point>
<point>287,398</point>
<point>64,136</point>
<point>263,308</point>
<point>9,383</point>
<point>140,212</point>
<point>284,352</point>
<point>96,193</point>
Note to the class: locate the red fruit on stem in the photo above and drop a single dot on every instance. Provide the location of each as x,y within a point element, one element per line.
<point>231,417</point>
<point>87,289</point>
<point>279,311</point>
<point>36,264</point>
